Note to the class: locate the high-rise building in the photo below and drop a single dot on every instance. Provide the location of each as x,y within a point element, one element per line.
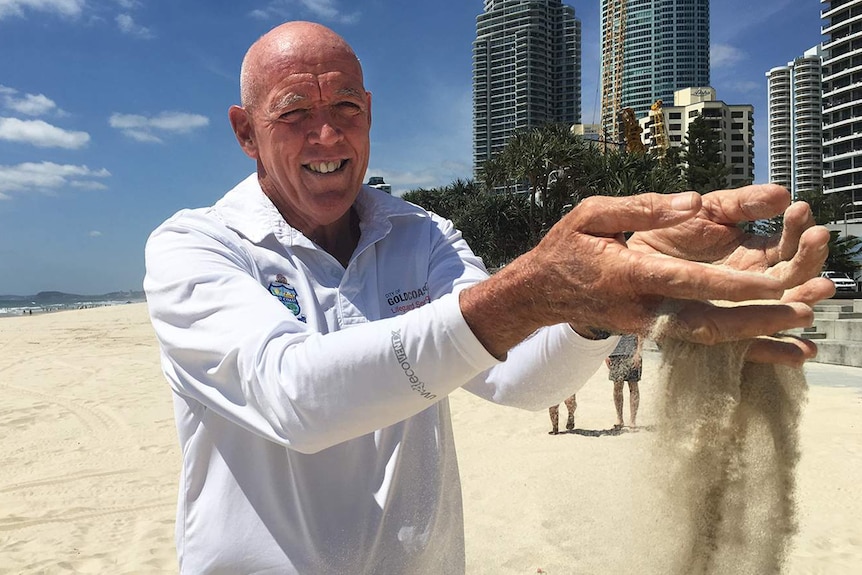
<point>795,124</point>
<point>780,125</point>
<point>651,49</point>
<point>526,70</point>
<point>733,124</point>
<point>842,101</point>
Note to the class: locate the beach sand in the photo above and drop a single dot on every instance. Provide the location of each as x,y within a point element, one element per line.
<point>90,460</point>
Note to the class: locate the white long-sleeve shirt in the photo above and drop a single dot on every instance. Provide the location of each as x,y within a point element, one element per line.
<point>310,399</point>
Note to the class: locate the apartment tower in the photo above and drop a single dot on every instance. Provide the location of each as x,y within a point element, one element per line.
<point>651,49</point>
<point>795,124</point>
<point>842,101</point>
<point>526,71</point>
<point>732,123</point>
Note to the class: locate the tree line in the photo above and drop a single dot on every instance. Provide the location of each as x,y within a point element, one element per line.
<point>542,173</point>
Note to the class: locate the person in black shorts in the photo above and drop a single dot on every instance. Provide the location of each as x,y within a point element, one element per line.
<point>624,366</point>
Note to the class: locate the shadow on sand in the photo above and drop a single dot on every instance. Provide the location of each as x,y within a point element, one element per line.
<point>611,431</point>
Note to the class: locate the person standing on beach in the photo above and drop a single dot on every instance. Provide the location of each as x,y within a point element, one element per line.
<point>624,366</point>
<point>311,328</point>
<point>554,412</point>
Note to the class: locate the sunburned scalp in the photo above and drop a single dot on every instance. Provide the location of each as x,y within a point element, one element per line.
<point>277,46</point>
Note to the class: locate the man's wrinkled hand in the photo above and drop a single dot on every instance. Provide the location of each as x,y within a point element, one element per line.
<point>795,257</point>
<point>687,248</point>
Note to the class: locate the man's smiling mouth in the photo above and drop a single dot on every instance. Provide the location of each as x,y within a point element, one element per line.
<point>326,167</point>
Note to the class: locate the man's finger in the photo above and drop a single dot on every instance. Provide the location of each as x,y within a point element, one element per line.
<point>606,216</point>
<point>685,280</point>
<point>797,219</point>
<point>708,324</point>
<point>813,249</point>
<point>810,292</point>
<point>746,204</point>
<point>785,350</point>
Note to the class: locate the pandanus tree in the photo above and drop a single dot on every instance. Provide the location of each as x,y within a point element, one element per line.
<point>528,163</point>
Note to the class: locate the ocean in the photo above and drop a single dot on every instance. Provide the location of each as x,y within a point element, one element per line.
<point>46,302</point>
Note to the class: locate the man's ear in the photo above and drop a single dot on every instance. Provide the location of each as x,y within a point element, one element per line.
<point>243,130</point>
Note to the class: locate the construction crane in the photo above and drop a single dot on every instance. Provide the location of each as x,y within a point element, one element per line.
<point>613,40</point>
<point>633,131</point>
<point>659,129</point>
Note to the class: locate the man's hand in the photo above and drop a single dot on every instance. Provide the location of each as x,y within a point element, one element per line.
<point>714,237</point>
<point>688,248</point>
<point>795,257</point>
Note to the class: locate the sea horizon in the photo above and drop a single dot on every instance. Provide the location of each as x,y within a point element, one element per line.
<point>51,301</point>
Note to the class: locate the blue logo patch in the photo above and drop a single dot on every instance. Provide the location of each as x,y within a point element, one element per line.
<point>286,294</point>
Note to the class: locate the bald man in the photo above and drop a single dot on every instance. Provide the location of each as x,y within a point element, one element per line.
<point>311,328</point>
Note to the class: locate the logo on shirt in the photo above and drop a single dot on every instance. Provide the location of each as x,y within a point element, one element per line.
<point>286,294</point>
<point>404,300</point>
<point>416,384</point>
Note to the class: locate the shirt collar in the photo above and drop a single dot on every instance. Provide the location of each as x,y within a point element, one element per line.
<point>248,211</point>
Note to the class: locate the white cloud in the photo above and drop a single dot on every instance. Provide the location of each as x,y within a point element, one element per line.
<point>71,8</point>
<point>323,8</point>
<point>142,136</point>
<point>95,234</point>
<point>41,134</point>
<point>434,176</point>
<point>178,122</point>
<point>75,8</point>
<point>725,56</point>
<point>444,135</point>
<point>144,129</point>
<point>128,26</point>
<point>87,185</point>
<point>326,10</point>
<point>46,176</point>
<point>27,104</point>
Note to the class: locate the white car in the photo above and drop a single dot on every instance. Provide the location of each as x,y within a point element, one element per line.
<point>842,281</point>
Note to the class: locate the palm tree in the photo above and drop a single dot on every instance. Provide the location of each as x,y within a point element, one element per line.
<point>493,174</point>
<point>491,223</point>
<point>844,253</point>
<point>618,173</point>
<point>826,208</point>
<point>531,156</point>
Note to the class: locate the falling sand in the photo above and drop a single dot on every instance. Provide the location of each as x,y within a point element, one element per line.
<point>724,464</point>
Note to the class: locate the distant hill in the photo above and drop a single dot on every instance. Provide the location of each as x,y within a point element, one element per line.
<point>60,298</point>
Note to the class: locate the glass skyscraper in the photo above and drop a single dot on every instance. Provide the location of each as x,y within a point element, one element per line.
<point>526,70</point>
<point>664,48</point>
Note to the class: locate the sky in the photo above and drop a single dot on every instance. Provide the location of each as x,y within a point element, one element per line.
<point>113,113</point>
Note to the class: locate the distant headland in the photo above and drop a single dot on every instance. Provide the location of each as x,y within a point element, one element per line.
<point>46,301</point>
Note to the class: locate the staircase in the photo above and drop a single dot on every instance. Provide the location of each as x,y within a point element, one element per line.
<point>837,331</point>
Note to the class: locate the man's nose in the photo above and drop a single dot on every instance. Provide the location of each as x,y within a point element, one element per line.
<point>326,130</point>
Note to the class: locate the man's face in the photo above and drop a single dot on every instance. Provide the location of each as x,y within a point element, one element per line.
<point>311,125</point>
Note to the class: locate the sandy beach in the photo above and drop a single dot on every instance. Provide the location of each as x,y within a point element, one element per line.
<point>90,461</point>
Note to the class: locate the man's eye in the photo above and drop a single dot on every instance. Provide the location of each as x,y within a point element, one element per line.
<point>350,107</point>
<point>293,115</point>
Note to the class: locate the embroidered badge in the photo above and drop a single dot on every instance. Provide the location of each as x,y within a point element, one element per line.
<point>286,294</point>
